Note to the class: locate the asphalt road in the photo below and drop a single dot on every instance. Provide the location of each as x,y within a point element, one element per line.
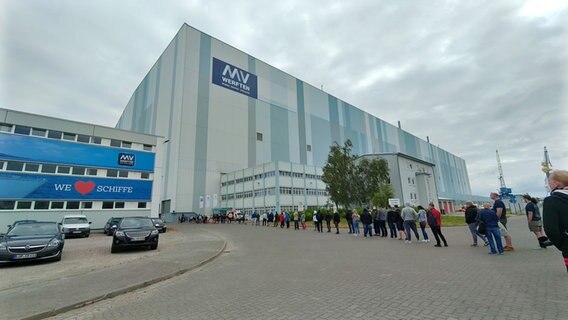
<point>273,273</point>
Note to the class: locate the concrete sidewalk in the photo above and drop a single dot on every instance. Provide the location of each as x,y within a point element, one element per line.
<point>40,300</point>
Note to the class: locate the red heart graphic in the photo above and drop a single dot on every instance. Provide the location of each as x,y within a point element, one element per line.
<point>84,187</point>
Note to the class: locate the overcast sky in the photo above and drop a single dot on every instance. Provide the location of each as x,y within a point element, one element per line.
<point>474,76</point>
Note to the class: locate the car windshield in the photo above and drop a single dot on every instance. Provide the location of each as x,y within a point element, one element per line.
<point>33,229</point>
<point>136,223</point>
<point>75,220</point>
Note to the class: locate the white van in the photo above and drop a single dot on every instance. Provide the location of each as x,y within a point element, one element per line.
<point>76,225</point>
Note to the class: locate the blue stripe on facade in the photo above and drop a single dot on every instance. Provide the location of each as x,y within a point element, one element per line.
<point>301,122</point>
<point>251,120</point>
<point>334,119</point>
<point>279,137</point>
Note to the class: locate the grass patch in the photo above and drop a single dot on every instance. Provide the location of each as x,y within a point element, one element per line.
<point>453,221</point>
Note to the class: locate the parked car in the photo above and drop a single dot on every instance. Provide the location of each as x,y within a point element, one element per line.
<point>160,225</point>
<point>108,229</point>
<point>76,225</point>
<point>34,240</point>
<point>135,232</point>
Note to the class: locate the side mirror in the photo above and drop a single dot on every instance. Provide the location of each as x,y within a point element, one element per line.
<point>90,222</point>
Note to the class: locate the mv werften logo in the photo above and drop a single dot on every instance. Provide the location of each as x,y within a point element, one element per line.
<point>234,78</point>
<point>126,159</point>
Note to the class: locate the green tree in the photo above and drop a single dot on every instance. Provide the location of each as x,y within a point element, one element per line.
<point>382,196</point>
<point>370,175</point>
<point>338,173</point>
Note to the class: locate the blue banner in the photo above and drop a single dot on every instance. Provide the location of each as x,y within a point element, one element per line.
<point>233,78</point>
<point>15,186</point>
<point>32,149</point>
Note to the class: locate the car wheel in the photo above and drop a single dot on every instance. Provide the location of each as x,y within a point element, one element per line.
<point>164,230</point>
<point>154,247</point>
<point>87,235</point>
<point>114,249</point>
<point>58,257</point>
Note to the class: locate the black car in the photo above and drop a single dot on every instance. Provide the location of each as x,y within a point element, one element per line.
<point>28,241</point>
<point>160,225</point>
<point>108,229</point>
<point>134,232</point>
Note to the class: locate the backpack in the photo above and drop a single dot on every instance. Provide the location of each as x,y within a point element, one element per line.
<point>432,221</point>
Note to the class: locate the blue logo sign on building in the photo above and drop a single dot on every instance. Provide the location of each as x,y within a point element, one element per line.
<point>126,159</point>
<point>233,78</point>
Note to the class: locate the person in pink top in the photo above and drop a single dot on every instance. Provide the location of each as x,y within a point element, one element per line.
<point>435,222</point>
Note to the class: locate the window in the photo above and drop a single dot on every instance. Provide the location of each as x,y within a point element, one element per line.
<point>57,205</point>
<point>115,143</point>
<point>126,144</point>
<point>145,175</point>
<point>91,172</point>
<point>22,130</point>
<point>7,205</point>
<point>80,171</point>
<point>48,168</point>
<point>31,167</point>
<point>112,173</point>
<point>96,140</point>
<point>1,165</point>
<point>72,205</point>
<point>86,205</point>
<point>5,127</point>
<point>147,147</point>
<point>83,138</point>
<point>41,205</point>
<point>408,180</point>
<point>15,166</point>
<point>259,136</point>
<point>119,205</point>
<point>69,136</point>
<point>123,174</point>
<point>63,169</point>
<point>309,147</point>
<point>38,132</point>
<point>24,205</point>
<point>53,134</point>
<point>108,204</point>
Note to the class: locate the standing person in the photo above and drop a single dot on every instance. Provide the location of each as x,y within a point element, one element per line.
<point>367,221</point>
<point>328,221</point>
<point>287,218</point>
<point>264,217</point>
<point>356,217</point>
<point>501,211</point>
<point>435,223</point>
<point>336,220</point>
<point>422,220</point>
<point>535,220</point>
<point>489,218</point>
<point>303,220</point>
<point>555,209</point>
<point>375,215</point>
<point>315,220</point>
<point>276,219</point>
<point>296,221</point>
<point>349,218</point>
<point>282,219</point>
<point>391,219</point>
<point>409,216</point>
<point>270,219</point>
<point>320,221</point>
<point>382,216</point>
<point>471,220</point>
<point>400,224</point>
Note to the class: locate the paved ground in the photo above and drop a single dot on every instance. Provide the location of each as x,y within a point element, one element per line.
<point>285,274</point>
<point>88,272</point>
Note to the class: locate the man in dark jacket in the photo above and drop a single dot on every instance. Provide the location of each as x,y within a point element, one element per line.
<point>348,217</point>
<point>392,215</point>
<point>367,221</point>
<point>376,224</point>
<point>336,220</point>
<point>555,212</point>
<point>471,220</point>
<point>320,221</point>
<point>328,221</point>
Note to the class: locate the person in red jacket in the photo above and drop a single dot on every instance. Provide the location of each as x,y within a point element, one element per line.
<point>435,223</point>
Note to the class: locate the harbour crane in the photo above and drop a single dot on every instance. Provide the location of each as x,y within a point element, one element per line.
<point>504,191</point>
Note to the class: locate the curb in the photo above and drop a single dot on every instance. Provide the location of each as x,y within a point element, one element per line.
<point>128,289</point>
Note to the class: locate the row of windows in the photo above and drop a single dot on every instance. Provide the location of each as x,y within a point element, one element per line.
<point>271,191</point>
<point>61,135</point>
<point>281,173</point>
<point>59,205</point>
<point>62,169</point>
<point>411,181</point>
